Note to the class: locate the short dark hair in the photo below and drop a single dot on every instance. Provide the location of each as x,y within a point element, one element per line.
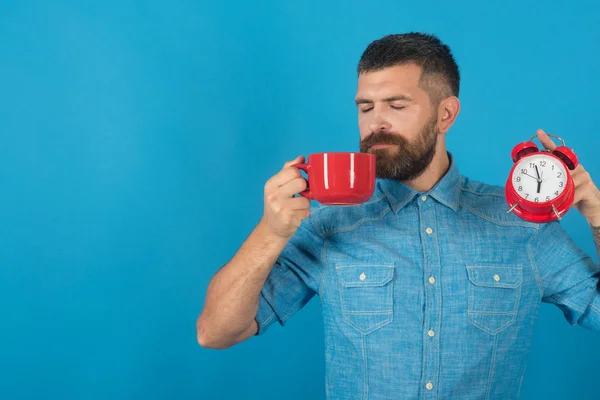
<point>440,76</point>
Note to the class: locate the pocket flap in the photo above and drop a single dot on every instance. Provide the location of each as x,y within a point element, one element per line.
<point>502,276</point>
<point>364,275</point>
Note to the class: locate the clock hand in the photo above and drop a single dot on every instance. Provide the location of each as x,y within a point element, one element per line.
<point>531,176</point>
<point>538,179</point>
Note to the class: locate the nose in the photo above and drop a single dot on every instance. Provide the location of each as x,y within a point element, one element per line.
<point>379,123</point>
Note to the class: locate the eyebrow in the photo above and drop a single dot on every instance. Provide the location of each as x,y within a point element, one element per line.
<point>387,99</point>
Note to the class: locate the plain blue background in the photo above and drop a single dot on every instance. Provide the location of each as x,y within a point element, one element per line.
<point>135,140</point>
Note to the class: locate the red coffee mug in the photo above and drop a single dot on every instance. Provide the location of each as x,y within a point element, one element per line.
<point>342,178</point>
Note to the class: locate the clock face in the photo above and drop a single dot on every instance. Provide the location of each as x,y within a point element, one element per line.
<point>539,178</point>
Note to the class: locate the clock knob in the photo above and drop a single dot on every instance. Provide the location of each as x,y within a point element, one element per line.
<point>567,156</point>
<point>523,149</point>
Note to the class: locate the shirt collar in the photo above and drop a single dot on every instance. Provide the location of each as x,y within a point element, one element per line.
<point>446,190</point>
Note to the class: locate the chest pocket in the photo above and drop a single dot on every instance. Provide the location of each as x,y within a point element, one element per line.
<point>494,295</point>
<point>367,295</point>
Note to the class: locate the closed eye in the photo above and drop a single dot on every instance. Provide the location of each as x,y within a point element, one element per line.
<point>365,110</point>
<point>397,107</point>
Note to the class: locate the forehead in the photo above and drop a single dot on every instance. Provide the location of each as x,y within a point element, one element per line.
<point>399,79</point>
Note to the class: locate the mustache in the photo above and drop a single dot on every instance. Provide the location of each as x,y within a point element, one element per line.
<point>381,138</point>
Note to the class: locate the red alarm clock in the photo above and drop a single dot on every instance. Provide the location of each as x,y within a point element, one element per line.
<point>539,187</point>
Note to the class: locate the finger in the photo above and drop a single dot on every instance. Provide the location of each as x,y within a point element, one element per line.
<point>297,160</point>
<point>577,171</point>
<point>577,198</point>
<point>299,203</point>
<point>583,182</point>
<point>298,215</point>
<point>545,140</point>
<point>305,213</point>
<point>582,191</point>
<point>293,187</point>
<point>284,176</point>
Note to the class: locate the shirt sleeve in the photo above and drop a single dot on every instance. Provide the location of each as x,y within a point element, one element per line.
<point>567,275</point>
<point>294,279</point>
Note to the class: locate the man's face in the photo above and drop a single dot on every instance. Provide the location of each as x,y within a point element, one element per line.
<point>397,121</point>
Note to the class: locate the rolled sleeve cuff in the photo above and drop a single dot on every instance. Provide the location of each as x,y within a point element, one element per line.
<point>265,316</point>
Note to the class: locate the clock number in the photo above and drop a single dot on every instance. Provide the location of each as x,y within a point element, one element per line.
<point>537,199</point>
<point>547,198</point>
<point>559,175</point>
<point>520,188</point>
<point>518,179</point>
<point>552,167</point>
<point>524,171</point>
<point>543,163</point>
<point>561,184</point>
<point>531,165</point>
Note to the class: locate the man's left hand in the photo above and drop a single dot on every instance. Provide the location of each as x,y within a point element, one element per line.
<point>587,195</point>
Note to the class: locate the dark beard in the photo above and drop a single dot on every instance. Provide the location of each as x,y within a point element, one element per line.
<point>406,161</point>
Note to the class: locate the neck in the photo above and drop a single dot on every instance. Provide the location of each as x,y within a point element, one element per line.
<point>434,172</point>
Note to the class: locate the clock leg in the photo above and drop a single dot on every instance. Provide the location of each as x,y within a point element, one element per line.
<point>556,212</point>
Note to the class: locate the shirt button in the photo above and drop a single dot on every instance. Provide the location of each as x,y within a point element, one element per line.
<point>423,198</point>
<point>429,231</point>
<point>431,280</point>
<point>497,278</point>
<point>362,276</point>
<point>431,333</point>
<point>429,386</point>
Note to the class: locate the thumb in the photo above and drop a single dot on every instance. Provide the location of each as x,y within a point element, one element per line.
<point>545,140</point>
<point>297,160</point>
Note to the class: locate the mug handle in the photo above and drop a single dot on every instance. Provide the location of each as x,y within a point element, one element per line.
<point>305,168</point>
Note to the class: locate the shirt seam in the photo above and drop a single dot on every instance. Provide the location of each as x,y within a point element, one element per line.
<point>315,227</point>
<point>375,200</point>
<point>464,189</point>
<point>492,368</point>
<point>358,223</point>
<point>567,302</point>
<point>533,265</point>
<point>365,366</point>
<point>262,325</point>
<point>323,269</point>
<point>595,308</point>
<point>495,221</point>
<point>323,253</point>
<point>317,210</point>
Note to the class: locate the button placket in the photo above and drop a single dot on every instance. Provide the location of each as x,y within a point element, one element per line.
<point>432,291</point>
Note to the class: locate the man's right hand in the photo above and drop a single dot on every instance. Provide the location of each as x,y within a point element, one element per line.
<point>233,295</point>
<point>283,212</point>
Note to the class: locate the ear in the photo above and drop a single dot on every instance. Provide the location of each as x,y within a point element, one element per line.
<point>448,110</point>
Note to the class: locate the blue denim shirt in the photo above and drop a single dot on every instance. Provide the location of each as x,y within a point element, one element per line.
<point>429,295</point>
